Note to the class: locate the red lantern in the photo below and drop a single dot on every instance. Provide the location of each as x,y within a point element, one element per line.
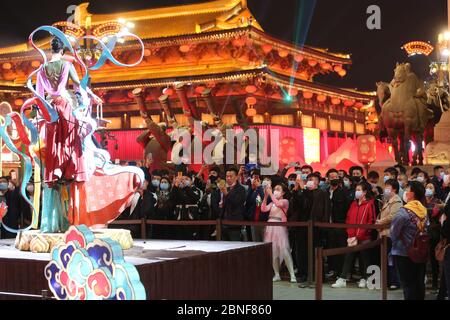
<point>298,58</point>
<point>338,68</point>
<point>326,66</point>
<point>349,103</point>
<point>200,89</point>
<point>307,94</point>
<point>293,92</point>
<point>168,91</point>
<point>359,105</point>
<point>321,98</point>
<point>251,89</point>
<point>250,112</point>
<point>7,66</point>
<point>336,101</point>
<point>283,53</point>
<point>267,48</point>
<point>147,52</point>
<point>250,101</point>
<point>184,48</point>
<point>342,73</point>
<point>18,102</point>
<point>367,149</point>
<point>36,64</point>
<point>372,117</point>
<point>312,63</point>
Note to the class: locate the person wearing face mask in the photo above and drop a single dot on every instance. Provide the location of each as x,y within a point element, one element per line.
<point>305,171</point>
<point>155,180</point>
<point>414,173</point>
<point>406,225</point>
<point>432,203</point>
<point>12,217</point>
<point>164,210</point>
<point>316,207</point>
<point>233,198</point>
<point>422,177</point>
<point>373,179</point>
<point>342,173</point>
<point>390,174</point>
<point>392,203</point>
<point>437,180</point>
<point>186,197</point>
<point>362,211</point>
<point>278,236</point>
<point>336,238</point>
<point>24,208</point>
<point>346,182</point>
<point>253,204</point>
<point>403,184</point>
<point>355,176</point>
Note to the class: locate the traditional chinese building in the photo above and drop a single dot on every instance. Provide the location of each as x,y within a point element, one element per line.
<point>253,77</point>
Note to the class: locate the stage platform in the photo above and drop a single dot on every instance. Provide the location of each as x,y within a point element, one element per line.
<point>169,270</point>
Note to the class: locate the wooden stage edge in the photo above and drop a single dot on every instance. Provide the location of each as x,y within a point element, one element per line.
<point>169,270</point>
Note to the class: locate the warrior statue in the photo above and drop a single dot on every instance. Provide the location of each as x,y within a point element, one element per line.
<point>404,113</point>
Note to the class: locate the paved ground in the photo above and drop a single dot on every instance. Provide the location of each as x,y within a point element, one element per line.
<point>287,291</point>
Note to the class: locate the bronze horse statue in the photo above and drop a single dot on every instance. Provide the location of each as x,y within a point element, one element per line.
<point>404,113</point>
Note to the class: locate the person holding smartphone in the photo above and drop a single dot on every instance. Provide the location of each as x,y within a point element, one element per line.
<point>278,235</point>
<point>434,211</point>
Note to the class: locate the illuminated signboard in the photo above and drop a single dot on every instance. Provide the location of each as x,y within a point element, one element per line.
<point>311,139</point>
<point>418,47</point>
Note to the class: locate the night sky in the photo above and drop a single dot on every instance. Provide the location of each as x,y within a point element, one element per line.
<point>339,25</point>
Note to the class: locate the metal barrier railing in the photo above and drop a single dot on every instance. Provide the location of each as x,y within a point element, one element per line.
<point>321,253</point>
<point>43,296</point>
<point>310,225</point>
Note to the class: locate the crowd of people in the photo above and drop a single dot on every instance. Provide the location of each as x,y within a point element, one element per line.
<point>399,206</point>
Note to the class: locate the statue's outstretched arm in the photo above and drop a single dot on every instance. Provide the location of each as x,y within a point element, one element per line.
<point>76,80</point>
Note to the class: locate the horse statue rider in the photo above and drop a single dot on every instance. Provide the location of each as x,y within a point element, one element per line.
<point>408,110</point>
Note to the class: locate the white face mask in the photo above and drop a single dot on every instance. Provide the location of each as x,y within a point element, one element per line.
<point>310,185</point>
<point>405,199</point>
<point>447,178</point>
<point>420,179</point>
<point>277,194</point>
<point>358,195</point>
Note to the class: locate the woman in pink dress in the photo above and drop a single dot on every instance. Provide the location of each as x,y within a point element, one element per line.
<point>278,236</point>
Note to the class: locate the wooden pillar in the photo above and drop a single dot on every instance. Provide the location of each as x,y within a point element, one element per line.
<point>325,141</point>
<point>267,117</point>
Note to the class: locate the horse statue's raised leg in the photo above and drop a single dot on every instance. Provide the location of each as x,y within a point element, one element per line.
<point>418,153</point>
<point>394,134</point>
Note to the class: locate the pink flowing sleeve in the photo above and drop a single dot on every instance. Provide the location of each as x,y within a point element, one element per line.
<point>40,84</point>
<point>266,207</point>
<point>282,204</point>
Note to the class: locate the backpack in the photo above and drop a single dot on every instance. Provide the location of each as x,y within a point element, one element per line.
<point>419,249</point>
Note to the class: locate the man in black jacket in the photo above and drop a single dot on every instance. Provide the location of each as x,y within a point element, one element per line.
<point>233,204</point>
<point>314,204</point>
<point>339,205</point>
<point>186,197</point>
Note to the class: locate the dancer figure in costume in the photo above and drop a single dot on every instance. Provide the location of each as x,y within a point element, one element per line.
<point>63,152</point>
